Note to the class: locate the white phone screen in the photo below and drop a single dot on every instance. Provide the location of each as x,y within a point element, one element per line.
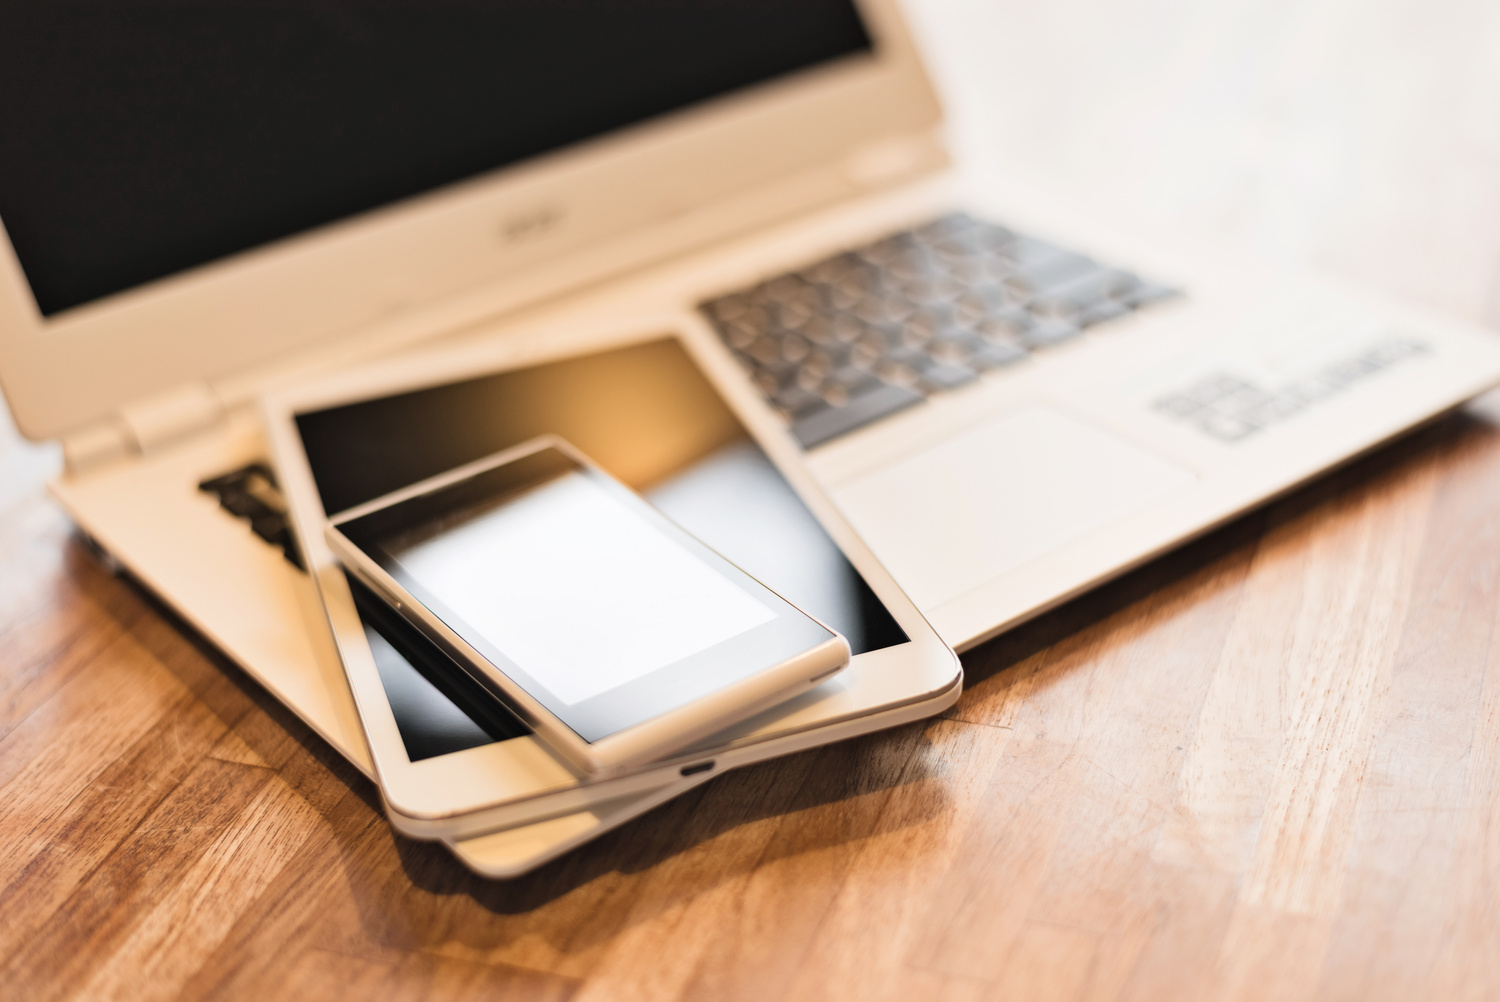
<point>577,589</point>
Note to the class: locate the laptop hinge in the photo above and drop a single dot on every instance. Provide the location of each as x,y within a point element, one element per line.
<point>144,426</point>
<point>95,445</point>
<point>166,417</point>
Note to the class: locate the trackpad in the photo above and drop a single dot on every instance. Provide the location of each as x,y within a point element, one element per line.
<point>951,517</point>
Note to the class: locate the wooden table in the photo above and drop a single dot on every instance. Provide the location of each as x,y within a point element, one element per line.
<point>1266,766</point>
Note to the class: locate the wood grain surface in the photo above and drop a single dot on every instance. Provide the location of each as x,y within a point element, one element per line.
<point>1266,766</point>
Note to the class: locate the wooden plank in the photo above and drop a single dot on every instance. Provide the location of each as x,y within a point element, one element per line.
<point>168,942</point>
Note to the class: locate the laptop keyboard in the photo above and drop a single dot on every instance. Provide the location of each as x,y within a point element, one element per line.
<point>858,336</point>
<point>251,493</point>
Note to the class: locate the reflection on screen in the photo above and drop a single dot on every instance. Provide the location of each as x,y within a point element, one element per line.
<point>734,500</point>
<point>438,708</point>
<point>430,723</point>
<point>578,590</point>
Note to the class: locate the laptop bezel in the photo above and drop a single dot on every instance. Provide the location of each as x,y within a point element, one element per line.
<point>390,273</point>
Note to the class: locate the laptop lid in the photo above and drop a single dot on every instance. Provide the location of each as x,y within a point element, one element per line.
<point>188,193</point>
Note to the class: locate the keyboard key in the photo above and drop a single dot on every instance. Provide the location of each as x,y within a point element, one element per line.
<point>242,505</point>
<point>879,309</point>
<point>1145,294</point>
<point>955,347</point>
<point>794,349</point>
<point>845,383</point>
<point>858,412</point>
<point>728,309</point>
<point>996,354</point>
<point>1179,405</point>
<point>1009,324</point>
<point>946,377</point>
<point>1393,351</point>
<point>927,291</point>
<point>765,351</point>
<point>1206,391</point>
<point>271,527</point>
<point>1226,427</point>
<point>1085,291</point>
<point>1023,253</point>
<point>1273,409</point>
<point>741,336</point>
<point>898,373</point>
<point>1102,312</point>
<point>1351,371</point>
<point>1057,271</point>
<point>960,226</point>
<point>903,355</point>
<point>1045,333</point>
<point>798,402</point>
<point>820,363</point>
<point>1242,402</point>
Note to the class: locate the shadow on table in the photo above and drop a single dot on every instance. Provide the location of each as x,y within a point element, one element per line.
<point>796,806</point>
<point>833,778</point>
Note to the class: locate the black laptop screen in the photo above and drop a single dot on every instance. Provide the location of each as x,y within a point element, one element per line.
<point>141,140</point>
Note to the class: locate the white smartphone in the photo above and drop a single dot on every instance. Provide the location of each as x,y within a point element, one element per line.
<point>615,634</point>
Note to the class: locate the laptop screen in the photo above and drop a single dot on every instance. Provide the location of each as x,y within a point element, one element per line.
<point>141,140</point>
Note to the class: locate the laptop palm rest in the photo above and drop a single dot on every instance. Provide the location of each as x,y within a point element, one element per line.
<point>963,511</point>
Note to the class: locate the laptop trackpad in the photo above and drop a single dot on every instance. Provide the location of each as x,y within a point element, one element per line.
<point>960,512</point>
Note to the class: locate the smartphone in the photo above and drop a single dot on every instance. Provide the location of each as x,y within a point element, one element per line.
<point>615,634</point>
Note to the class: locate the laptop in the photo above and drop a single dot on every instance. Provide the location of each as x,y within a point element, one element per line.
<point>1009,404</point>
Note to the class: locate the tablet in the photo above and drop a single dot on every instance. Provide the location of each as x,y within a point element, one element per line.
<point>668,417</point>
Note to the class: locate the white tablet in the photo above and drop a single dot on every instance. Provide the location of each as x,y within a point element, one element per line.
<point>648,411</point>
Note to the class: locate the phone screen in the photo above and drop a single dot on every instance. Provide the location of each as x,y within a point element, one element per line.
<point>580,592</point>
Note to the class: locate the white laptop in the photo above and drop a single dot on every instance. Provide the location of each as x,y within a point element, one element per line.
<point>1008,404</point>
